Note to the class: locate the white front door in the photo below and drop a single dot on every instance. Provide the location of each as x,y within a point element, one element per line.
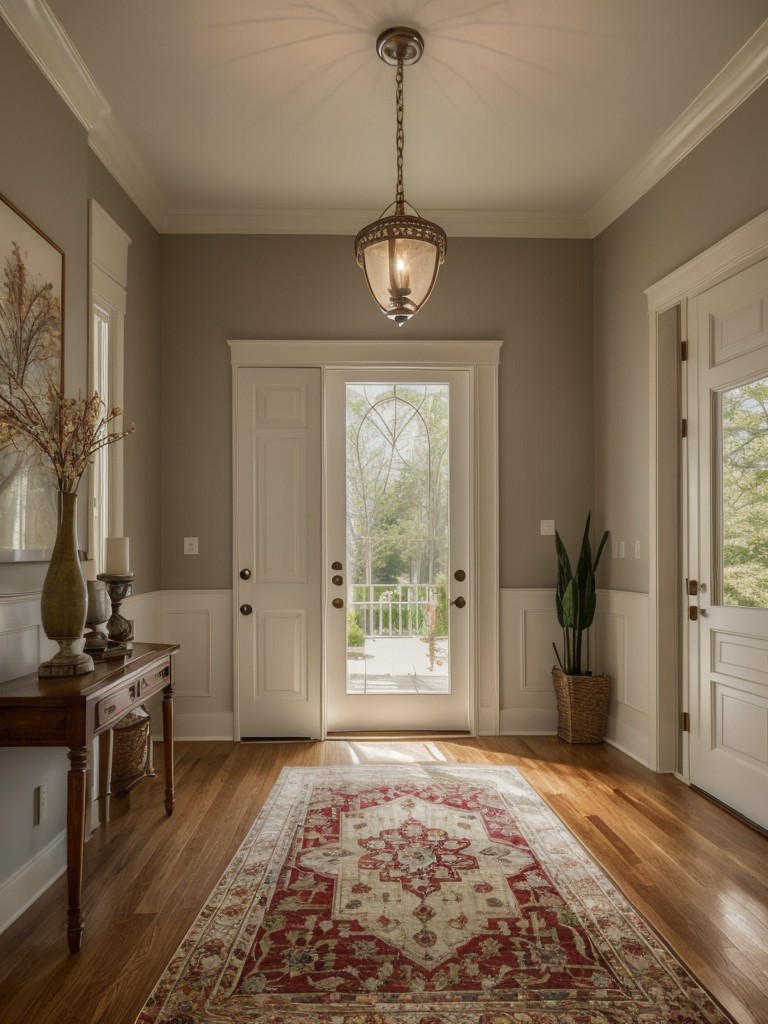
<point>728,541</point>
<point>277,463</point>
<point>399,579</point>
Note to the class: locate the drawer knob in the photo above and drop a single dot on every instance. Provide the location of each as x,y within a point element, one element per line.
<point>110,710</point>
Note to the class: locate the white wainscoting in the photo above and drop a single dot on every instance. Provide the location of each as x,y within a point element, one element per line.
<point>619,646</point>
<point>31,856</point>
<point>201,622</point>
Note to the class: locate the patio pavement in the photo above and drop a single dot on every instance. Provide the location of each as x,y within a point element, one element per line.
<point>398,664</point>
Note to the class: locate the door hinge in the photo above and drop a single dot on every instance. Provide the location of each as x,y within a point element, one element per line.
<point>684,428</point>
<point>685,721</point>
<point>683,351</point>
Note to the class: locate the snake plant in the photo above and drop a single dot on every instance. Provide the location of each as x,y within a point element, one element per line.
<point>576,600</point>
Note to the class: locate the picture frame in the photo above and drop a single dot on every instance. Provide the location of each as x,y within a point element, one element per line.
<point>31,348</point>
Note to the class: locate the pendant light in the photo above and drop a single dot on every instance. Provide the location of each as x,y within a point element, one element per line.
<point>400,253</point>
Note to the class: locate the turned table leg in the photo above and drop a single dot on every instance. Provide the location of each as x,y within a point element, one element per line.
<point>168,747</point>
<point>76,786</point>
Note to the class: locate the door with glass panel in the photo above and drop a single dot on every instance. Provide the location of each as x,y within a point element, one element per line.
<point>728,541</point>
<point>398,580</point>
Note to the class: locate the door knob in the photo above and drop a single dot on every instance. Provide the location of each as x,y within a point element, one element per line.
<point>245,574</point>
<point>337,602</point>
<point>337,580</point>
<point>460,575</point>
<point>245,609</point>
<point>335,565</point>
<point>459,602</point>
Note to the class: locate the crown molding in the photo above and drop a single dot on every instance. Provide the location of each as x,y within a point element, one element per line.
<point>740,77</point>
<point>457,223</point>
<point>43,37</point>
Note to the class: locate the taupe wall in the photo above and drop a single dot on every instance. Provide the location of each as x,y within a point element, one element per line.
<point>535,295</point>
<point>47,171</point>
<point>43,171</point>
<point>720,186</point>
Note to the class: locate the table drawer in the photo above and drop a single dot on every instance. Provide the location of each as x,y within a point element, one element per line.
<point>110,708</point>
<point>153,682</point>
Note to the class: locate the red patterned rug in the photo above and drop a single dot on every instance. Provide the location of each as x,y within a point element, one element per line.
<point>419,894</point>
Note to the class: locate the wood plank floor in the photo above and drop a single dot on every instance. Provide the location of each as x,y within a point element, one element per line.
<point>698,874</point>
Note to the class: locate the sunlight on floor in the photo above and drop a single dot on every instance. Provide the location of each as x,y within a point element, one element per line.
<point>403,753</point>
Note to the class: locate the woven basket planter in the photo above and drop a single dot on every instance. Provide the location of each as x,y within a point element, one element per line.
<point>582,706</point>
<point>131,750</point>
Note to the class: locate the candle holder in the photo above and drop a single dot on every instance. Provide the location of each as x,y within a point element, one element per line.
<point>96,638</point>
<point>119,629</point>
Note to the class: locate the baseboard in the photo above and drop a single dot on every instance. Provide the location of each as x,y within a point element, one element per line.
<point>32,879</point>
<point>205,726</point>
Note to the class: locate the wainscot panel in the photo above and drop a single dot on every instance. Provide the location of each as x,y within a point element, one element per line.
<point>201,622</point>
<point>619,646</point>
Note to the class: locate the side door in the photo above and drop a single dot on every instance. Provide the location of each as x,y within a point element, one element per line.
<point>277,495</point>
<point>728,541</point>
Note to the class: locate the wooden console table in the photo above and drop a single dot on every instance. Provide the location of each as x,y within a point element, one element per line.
<point>69,713</point>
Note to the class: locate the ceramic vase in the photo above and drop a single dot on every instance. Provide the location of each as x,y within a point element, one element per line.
<point>64,598</point>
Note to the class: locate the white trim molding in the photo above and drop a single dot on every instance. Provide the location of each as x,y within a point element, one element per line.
<point>741,76</point>
<point>457,223</point>
<point>23,887</point>
<point>46,41</point>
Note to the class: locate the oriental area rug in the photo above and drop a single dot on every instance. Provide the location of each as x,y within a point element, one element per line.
<point>419,894</point>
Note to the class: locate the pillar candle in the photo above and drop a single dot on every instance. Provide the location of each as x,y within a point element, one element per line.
<point>117,560</point>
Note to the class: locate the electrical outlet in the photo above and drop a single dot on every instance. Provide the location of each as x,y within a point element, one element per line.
<point>190,545</point>
<point>41,803</point>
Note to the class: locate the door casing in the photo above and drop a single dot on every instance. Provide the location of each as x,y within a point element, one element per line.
<point>481,359</point>
<point>739,250</point>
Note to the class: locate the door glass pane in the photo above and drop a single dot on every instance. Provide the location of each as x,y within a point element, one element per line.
<point>397,476</point>
<point>744,518</point>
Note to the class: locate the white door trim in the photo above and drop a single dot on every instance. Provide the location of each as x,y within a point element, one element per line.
<point>736,252</point>
<point>482,357</point>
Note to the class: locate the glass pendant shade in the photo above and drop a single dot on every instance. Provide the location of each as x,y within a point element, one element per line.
<point>400,256</point>
<point>400,253</point>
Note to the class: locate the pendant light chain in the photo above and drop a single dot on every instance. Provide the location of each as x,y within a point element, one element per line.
<point>401,252</point>
<point>399,137</point>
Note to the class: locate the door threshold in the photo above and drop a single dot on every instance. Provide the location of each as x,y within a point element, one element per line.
<point>398,734</point>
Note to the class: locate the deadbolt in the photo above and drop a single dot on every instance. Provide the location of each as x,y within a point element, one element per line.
<point>337,602</point>
<point>459,602</point>
<point>245,574</point>
<point>336,565</point>
<point>460,575</point>
<point>245,609</point>
<point>337,580</point>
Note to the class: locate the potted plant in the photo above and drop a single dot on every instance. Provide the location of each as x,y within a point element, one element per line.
<point>582,698</point>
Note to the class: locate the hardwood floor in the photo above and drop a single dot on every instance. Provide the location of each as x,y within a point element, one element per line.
<point>698,874</point>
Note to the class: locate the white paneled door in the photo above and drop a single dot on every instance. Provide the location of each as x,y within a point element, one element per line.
<point>278,458</point>
<point>728,541</point>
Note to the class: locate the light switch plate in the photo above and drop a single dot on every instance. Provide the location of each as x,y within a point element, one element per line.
<point>547,527</point>
<point>190,545</point>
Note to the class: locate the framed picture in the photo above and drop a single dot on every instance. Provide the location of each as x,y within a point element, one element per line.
<point>31,354</point>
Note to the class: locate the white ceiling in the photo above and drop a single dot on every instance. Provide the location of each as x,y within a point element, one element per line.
<point>539,117</point>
